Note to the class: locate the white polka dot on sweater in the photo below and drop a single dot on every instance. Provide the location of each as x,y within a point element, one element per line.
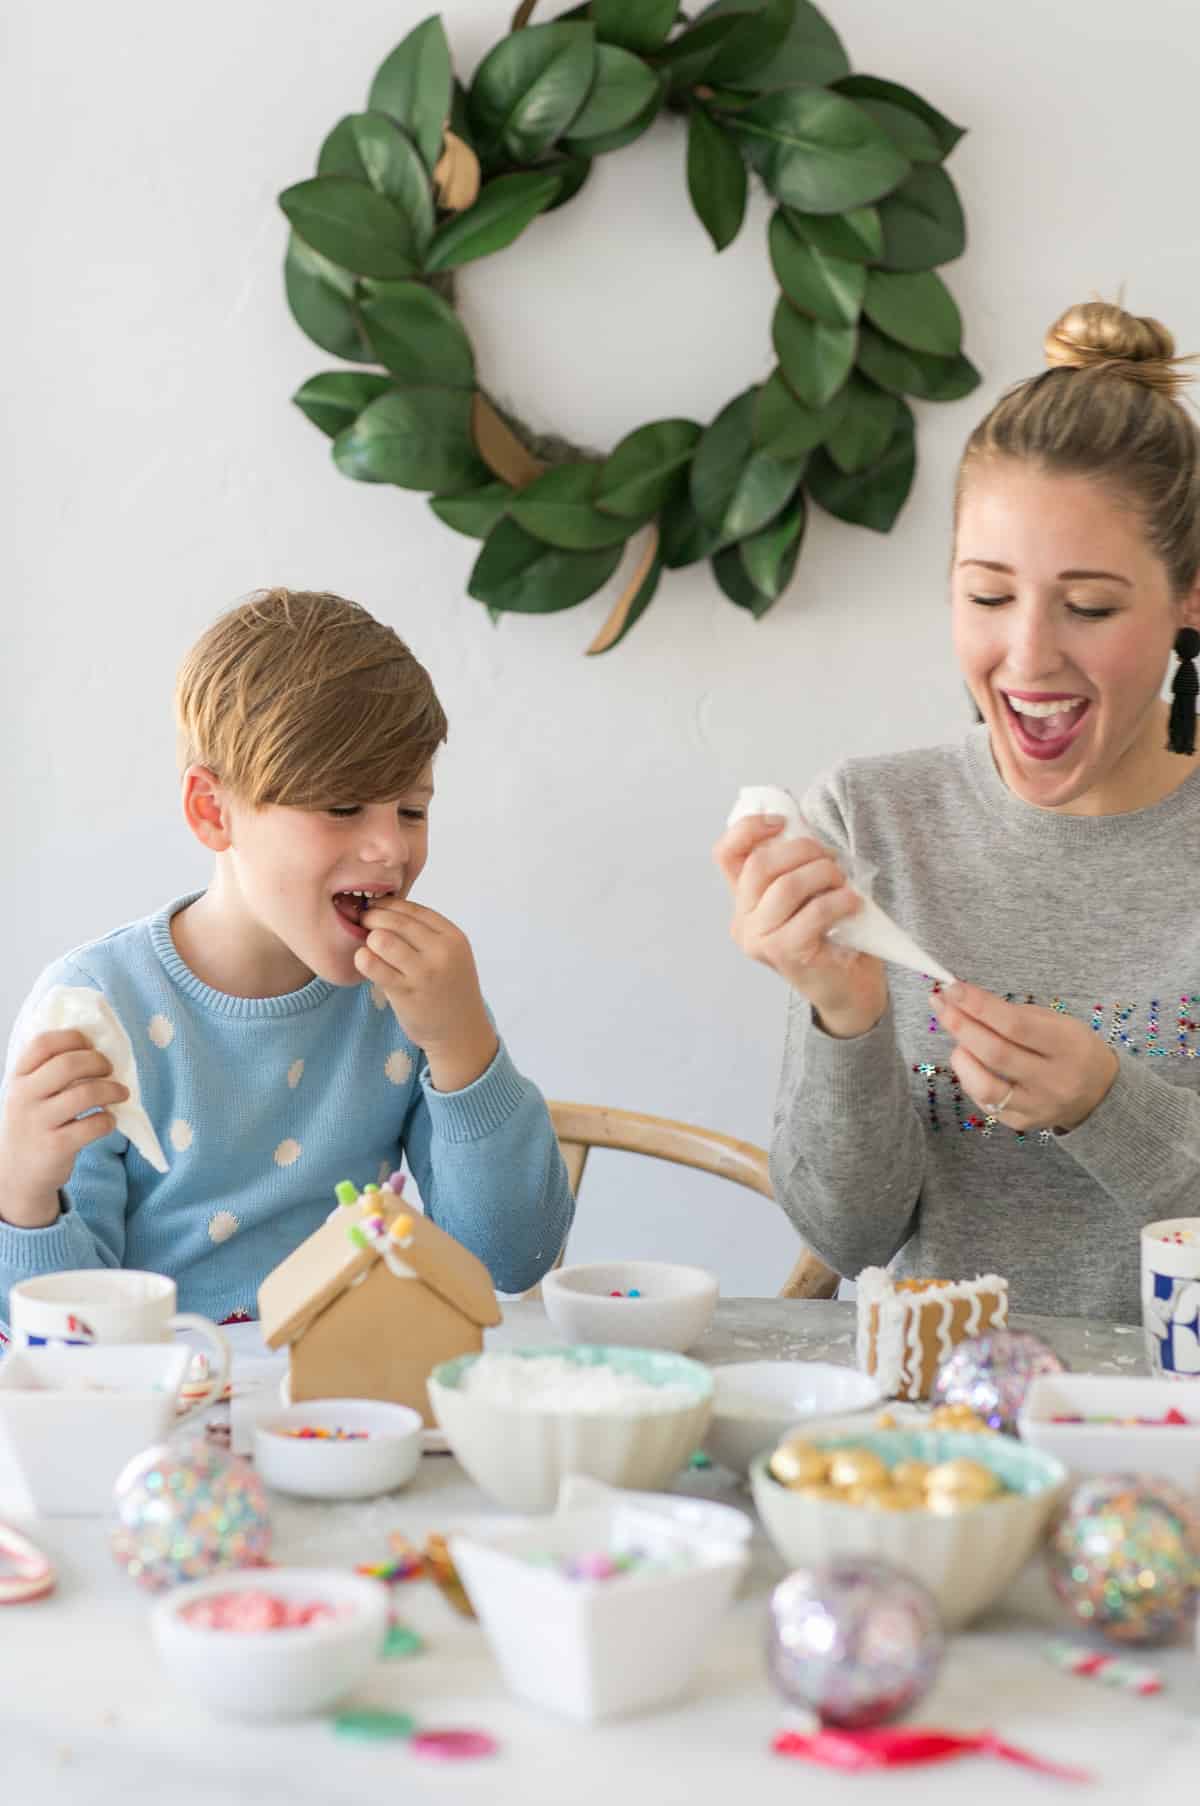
<point>398,1066</point>
<point>222,1226</point>
<point>295,1073</point>
<point>287,1153</point>
<point>180,1134</point>
<point>379,997</point>
<point>161,1030</point>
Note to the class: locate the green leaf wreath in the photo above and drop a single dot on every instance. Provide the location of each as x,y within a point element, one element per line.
<point>432,176</point>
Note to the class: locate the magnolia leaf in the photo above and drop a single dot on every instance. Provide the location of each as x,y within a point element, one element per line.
<point>716,178</point>
<point>640,474</point>
<point>321,297</point>
<point>828,288</point>
<point>418,337</point>
<point>811,53</point>
<point>418,438</point>
<point>352,226</point>
<point>687,58</point>
<point>339,154</point>
<point>572,173</point>
<point>759,33</point>
<point>871,87</point>
<point>413,87</point>
<point>730,573</point>
<point>904,372</point>
<point>634,599</point>
<point>334,399</point>
<point>637,25</point>
<point>529,88</point>
<point>560,508</point>
<point>815,358</point>
<point>500,448</point>
<point>504,208</point>
<point>783,425</point>
<point>456,175</point>
<point>394,168</point>
<point>736,488</point>
<point>855,235</point>
<point>624,87</point>
<point>824,154</point>
<point>473,511</point>
<point>769,557</point>
<point>916,310</point>
<point>872,497</point>
<point>864,430</point>
<point>910,135</point>
<point>519,574</point>
<point>684,537</point>
<point>922,222</point>
<point>603,142</point>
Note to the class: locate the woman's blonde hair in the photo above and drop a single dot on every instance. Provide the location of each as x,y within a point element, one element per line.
<point>1107,409</point>
<point>304,699</point>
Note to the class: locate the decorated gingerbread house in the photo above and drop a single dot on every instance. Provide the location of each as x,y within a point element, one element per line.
<point>908,1327</point>
<point>373,1300</point>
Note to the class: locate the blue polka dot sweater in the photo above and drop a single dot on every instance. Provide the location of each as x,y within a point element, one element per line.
<point>262,1105</point>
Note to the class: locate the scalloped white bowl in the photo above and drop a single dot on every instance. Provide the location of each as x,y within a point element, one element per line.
<point>966,1560</point>
<point>519,1455</point>
<point>755,1403</point>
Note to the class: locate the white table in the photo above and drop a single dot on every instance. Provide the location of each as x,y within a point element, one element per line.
<point>88,1719</point>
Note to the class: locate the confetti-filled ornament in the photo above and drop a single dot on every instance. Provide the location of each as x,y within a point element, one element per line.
<point>856,1640</point>
<point>184,1512</point>
<point>1125,1556</point>
<point>991,1374</point>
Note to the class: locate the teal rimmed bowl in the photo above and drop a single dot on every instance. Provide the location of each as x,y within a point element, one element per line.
<point>517,1447</point>
<point>968,1560</point>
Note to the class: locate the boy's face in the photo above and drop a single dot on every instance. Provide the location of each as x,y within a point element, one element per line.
<point>297,871</point>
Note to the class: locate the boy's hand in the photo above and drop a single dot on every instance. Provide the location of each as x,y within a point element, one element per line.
<point>424,966</point>
<point>58,1075</point>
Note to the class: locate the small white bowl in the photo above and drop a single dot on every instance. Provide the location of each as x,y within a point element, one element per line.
<point>597,1649</point>
<point>674,1310</point>
<point>755,1404</point>
<point>73,1417</point>
<point>315,1467</point>
<point>519,1455</point>
<point>966,1560</point>
<point>274,1673</point>
<point>1172,1450</point>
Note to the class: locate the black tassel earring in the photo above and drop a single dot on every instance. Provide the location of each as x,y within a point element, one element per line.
<point>1181,732</point>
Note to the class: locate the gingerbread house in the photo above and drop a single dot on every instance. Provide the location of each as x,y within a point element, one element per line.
<point>908,1327</point>
<point>373,1300</point>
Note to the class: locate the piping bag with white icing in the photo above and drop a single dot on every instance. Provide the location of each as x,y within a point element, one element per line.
<point>77,1006</point>
<point>872,930</point>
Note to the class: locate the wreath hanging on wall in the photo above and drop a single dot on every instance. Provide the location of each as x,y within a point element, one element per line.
<point>432,176</point>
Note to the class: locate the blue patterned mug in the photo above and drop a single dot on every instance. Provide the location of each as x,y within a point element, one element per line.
<point>1171,1297</point>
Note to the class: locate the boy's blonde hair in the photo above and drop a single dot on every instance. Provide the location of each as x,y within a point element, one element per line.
<point>304,699</point>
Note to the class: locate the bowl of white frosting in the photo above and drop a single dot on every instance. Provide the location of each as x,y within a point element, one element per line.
<point>520,1420</point>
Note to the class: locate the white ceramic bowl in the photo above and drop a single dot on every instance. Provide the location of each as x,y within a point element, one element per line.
<point>966,1560</point>
<point>674,1310</point>
<point>73,1417</point>
<point>755,1404</point>
<point>274,1673</point>
<point>519,1455</point>
<point>597,1649</point>
<point>697,1517</point>
<point>1172,1450</point>
<point>321,1468</point>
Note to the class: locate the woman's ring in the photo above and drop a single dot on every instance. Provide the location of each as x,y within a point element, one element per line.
<point>1002,1106</point>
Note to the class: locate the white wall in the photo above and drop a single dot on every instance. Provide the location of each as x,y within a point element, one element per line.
<point>155,472</point>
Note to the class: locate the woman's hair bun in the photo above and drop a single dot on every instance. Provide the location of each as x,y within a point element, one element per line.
<point>1098,335</point>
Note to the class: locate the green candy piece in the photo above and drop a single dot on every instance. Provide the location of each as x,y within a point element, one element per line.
<point>369,1724</point>
<point>367,1188</point>
<point>400,1641</point>
<point>700,1459</point>
<point>345,1191</point>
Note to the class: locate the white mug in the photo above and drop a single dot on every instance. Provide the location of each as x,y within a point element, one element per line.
<point>1171,1297</point>
<point>109,1304</point>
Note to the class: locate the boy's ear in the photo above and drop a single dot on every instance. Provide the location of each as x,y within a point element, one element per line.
<point>206,808</point>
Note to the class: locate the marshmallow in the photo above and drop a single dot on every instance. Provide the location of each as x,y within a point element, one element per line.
<point>77,1006</point>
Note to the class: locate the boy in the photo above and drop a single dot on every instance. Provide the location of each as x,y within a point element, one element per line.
<point>299,1022</point>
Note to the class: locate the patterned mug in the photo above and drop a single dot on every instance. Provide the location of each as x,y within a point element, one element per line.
<point>1171,1297</point>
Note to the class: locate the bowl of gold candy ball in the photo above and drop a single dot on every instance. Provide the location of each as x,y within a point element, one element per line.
<point>963,1510</point>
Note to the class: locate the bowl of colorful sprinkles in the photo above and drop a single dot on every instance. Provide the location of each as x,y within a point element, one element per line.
<point>962,1510</point>
<point>338,1448</point>
<point>271,1642</point>
<point>636,1303</point>
<point>520,1420</point>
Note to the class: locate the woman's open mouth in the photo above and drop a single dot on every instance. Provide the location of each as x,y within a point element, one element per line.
<point>350,906</point>
<point>1044,726</point>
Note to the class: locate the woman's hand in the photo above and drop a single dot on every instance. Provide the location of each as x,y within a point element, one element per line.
<point>787,895</point>
<point>1026,1066</point>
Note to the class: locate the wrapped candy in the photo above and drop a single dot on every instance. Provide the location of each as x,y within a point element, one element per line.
<point>1124,1555</point>
<point>991,1374</point>
<point>856,1640</point>
<point>185,1512</point>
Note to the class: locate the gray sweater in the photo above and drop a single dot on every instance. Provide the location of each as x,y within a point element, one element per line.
<point>876,1150</point>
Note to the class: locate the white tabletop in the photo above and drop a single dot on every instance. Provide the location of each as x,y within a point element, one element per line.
<point>88,1719</point>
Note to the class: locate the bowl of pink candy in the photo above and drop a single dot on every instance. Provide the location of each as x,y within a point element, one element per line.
<point>271,1642</point>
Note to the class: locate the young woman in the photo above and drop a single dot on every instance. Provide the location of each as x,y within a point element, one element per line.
<point>1029,1121</point>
